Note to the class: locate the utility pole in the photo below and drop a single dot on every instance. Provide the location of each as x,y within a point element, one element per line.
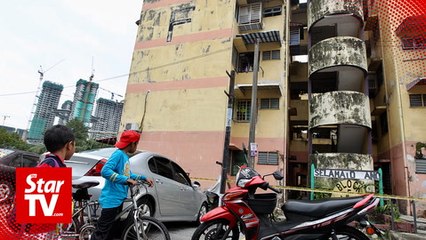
<point>225,161</point>
<point>253,111</point>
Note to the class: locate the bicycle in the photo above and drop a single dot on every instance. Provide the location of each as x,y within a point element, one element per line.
<point>84,213</point>
<point>138,227</point>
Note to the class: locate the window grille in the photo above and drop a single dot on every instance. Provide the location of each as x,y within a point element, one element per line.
<point>267,158</point>
<point>251,13</point>
<point>273,11</point>
<point>413,43</point>
<point>417,100</point>
<point>269,103</point>
<point>421,165</point>
<point>271,55</point>
<point>243,110</point>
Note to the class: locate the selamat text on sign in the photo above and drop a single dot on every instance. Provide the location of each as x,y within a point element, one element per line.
<point>347,174</point>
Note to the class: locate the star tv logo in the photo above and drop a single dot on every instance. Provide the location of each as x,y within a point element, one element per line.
<point>43,195</point>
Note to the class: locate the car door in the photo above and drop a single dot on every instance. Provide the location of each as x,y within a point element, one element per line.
<point>167,188</point>
<point>189,202</point>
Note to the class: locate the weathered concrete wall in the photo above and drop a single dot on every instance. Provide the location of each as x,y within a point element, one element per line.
<point>340,107</point>
<point>338,51</point>
<point>178,74</point>
<point>351,161</point>
<point>320,8</point>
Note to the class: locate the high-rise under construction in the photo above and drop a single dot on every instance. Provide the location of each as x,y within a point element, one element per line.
<point>47,103</point>
<point>84,99</point>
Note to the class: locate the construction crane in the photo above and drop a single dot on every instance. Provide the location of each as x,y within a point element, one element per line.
<point>41,72</point>
<point>112,93</point>
<point>4,118</point>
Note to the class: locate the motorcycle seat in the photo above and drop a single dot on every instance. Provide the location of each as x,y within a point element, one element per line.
<point>319,208</point>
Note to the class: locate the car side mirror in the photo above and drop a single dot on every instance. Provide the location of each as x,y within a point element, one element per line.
<point>277,175</point>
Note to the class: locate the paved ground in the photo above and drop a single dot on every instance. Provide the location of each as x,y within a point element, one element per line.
<point>180,230</point>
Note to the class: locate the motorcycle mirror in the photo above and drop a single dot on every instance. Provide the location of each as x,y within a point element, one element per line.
<point>196,184</point>
<point>277,175</point>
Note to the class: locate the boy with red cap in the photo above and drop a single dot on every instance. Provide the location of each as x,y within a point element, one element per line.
<point>117,174</point>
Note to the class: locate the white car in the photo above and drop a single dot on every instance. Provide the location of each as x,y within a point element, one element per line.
<point>172,198</point>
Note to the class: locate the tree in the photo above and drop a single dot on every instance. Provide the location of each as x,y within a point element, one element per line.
<point>80,131</point>
<point>81,134</point>
<point>12,140</point>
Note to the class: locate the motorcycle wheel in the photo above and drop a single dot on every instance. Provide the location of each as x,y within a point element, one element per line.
<point>214,230</point>
<point>349,233</point>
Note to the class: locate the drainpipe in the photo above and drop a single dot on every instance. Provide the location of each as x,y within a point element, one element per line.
<point>402,127</point>
<point>286,100</point>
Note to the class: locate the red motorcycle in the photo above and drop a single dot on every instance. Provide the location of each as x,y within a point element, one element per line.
<point>243,210</point>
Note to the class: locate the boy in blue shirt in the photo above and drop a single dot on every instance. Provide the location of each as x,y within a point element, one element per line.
<point>117,174</point>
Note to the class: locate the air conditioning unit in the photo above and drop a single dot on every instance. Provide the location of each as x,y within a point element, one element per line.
<point>132,126</point>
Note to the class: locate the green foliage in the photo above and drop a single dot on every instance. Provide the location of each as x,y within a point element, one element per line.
<point>388,208</point>
<point>321,195</point>
<point>80,131</point>
<point>81,134</point>
<point>12,141</point>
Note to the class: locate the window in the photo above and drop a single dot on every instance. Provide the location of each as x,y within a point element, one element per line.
<point>421,165</point>
<point>384,123</point>
<point>245,62</point>
<point>417,100</point>
<point>251,13</point>
<point>269,103</point>
<point>243,110</point>
<point>273,11</point>
<point>180,175</point>
<point>294,36</point>
<point>267,158</point>
<point>164,168</point>
<point>413,43</point>
<point>271,55</point>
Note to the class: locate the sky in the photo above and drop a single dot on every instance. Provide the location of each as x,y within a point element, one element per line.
<point>66,39</point>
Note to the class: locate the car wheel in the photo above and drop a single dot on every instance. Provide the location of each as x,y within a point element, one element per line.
<point>201,212</point>
<point>6,192</point>
<point>145,207</point>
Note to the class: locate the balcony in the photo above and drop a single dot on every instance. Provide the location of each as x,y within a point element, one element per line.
<point>340,107</point>
<point>345,57</point>
<point>346,15</point>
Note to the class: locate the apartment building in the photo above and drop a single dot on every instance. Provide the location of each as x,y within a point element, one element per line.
<point>175,93</point>
<point>43,117</point>
<point>399,46</point>
<point>84,100</point>
<point>330,91</point>
<point>107,118</point>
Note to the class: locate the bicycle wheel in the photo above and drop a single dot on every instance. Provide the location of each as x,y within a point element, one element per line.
<point>86,232</point>
<point>148,228</point>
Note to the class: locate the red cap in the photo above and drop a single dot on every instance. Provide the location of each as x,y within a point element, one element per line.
<point>127,137</point>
